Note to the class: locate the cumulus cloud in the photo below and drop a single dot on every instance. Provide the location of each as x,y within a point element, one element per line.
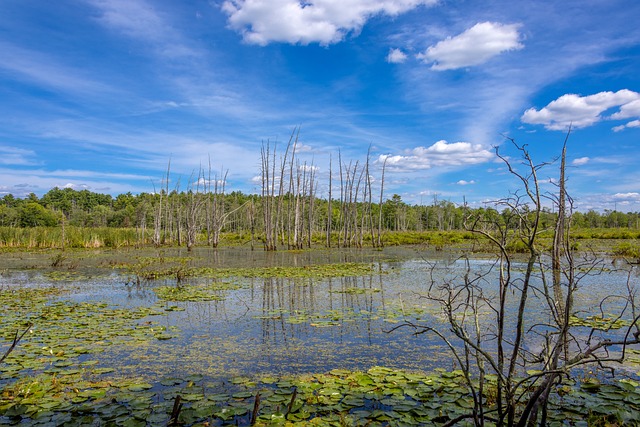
<point>441,153</point>
<point>475,46</point>
<point>629,197</point>
<point>583,111</point>
<point>580,161</point>
<point>75,186</point>
<point>463,182</point>
<point>292,21</point>
<point>396,56</point>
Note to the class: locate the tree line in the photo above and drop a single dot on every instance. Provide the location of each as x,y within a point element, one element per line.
<point>287,212</point>
<point>238,212</point>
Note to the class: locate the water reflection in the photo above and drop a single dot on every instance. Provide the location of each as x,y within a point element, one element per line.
<point>294,325</point>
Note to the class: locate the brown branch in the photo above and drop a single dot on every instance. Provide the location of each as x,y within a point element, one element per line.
<point>16,340</point>
<point>256,408</point>
<point>175,412</point>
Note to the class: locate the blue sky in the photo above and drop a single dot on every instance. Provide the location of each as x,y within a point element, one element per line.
<point>101,94</point>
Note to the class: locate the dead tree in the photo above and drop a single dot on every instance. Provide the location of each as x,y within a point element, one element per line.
<point>491,334</point>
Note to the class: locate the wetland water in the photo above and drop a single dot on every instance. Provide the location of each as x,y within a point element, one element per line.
<point>244,327</point>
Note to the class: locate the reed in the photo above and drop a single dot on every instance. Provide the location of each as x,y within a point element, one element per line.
<point>72,237</point>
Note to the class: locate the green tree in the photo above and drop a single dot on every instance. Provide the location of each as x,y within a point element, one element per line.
<point>33,214</point>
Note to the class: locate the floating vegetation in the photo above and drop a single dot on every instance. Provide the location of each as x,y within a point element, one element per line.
<point>64,331</point>
<point>152,268</point>
<point>378,397</point>
<point>193,293</point>
<point>356,291</point>
<point>599,322</point>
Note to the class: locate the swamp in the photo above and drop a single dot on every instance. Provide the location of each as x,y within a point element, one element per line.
<point>166,336</point>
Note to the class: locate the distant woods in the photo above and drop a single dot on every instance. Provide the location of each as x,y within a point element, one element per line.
<point>289,212</point>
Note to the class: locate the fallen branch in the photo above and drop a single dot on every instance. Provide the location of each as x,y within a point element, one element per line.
<point>16,340</point>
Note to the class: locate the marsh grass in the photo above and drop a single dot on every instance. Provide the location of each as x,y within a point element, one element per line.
<point>72,237</point>
<point>618,241</point>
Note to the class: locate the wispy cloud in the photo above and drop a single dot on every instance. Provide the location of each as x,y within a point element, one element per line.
<point>15,156</point>
<point>143,21</point>
<point>319,21</point>
<point>46,71</point>
<point>475,46</point>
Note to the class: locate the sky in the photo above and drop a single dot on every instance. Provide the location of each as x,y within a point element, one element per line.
<point>104,94</point>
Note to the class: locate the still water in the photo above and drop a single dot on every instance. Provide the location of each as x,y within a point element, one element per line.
<point>276,326</point>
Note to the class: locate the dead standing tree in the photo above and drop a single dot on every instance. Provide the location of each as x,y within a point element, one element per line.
<point>492,330</point>
<point>159,207</point>
<point>193,209</point>
<point>272,202</point>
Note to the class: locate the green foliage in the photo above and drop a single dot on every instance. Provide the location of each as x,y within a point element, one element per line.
<point>627,249</point>
<point>33,214</point>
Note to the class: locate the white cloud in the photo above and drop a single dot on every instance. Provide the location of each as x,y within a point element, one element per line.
<point>211,183</point>
<point>463,182</point>
<point>439,154</point>
<point>475,46</point>
<point>631,197</point>
<point>292,21</point>
<point>396,56</point>
<point>74,186</point>
<point>580,161</point>
<point>628,110</point>
<point>631,124</point>
<point>583,111</point>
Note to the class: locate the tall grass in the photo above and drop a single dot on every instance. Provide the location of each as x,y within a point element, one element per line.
<point>110,237</point>
<point>72,237</point>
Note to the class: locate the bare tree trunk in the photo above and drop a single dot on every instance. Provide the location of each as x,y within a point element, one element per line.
<point>329,208</point>
<point>384,164</point>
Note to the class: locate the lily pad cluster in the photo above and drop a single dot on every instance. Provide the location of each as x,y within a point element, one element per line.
<point>599,322</point>
<point>65,332</point>
<point>215,291</point>
<point>378,397</point>
<point>152,268</point>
